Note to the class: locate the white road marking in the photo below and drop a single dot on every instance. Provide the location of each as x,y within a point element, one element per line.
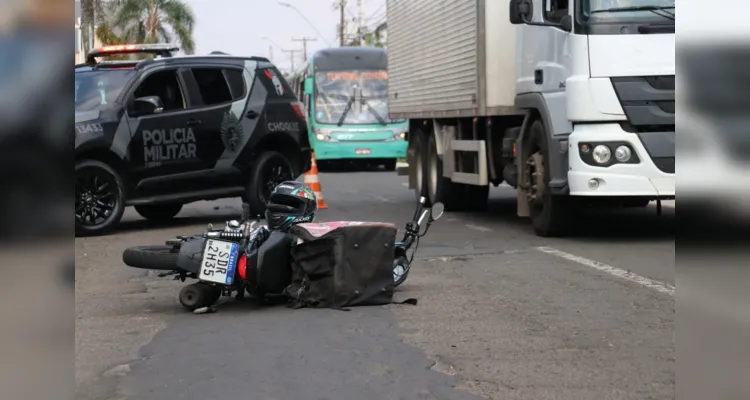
<point>405,184</point>
<point>383,199</point>
<point>614,271</point>
<point>478,228</point>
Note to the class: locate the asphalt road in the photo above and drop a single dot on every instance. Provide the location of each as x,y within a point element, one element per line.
<point>502,314</point>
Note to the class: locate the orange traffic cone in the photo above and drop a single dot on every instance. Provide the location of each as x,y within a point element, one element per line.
<point>313,181</point>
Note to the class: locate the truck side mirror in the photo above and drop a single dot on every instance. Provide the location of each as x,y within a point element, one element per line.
<point>566,23</point>
<point>521,11</point>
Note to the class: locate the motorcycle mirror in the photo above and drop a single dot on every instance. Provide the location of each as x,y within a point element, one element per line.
<point>436,211</point>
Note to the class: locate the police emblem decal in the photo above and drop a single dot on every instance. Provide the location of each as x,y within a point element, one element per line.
<point>231,132</point>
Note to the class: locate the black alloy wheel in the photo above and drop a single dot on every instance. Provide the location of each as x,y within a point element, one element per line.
<point>273,176</point>
<point>271,169</point>
<point>99,200</point>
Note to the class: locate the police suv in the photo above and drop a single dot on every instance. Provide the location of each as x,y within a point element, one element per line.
<point>161,132</point>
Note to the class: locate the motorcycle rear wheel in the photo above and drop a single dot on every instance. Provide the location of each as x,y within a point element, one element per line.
<point>198,295</point>
<point>163,258</point>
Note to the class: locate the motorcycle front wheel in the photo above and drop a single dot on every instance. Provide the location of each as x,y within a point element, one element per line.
<point>163,258</point>
<point>400,270</point>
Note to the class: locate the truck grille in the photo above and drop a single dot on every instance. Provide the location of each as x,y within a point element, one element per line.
<point>648,101</point>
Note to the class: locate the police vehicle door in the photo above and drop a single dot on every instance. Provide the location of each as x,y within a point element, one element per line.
<point>164,140</point>
<point>221,92</point>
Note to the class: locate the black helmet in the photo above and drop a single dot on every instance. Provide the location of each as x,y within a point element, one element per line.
<point>291,203</point>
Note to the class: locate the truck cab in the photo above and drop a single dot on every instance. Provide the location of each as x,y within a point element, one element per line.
<point>602,73</point>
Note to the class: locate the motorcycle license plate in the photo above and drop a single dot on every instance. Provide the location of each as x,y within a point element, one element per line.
<point>219,262</point>
<point>362,152</point>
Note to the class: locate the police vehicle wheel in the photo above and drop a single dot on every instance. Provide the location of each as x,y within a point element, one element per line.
<point>271,168</point>
<point>100,198</point>
<point>158,212</point>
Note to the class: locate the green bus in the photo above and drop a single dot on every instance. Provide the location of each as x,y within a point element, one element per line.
<point>345,94</point>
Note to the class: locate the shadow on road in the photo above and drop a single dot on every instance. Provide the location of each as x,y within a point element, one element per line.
<point>218,219</point>
<point>596,224</point>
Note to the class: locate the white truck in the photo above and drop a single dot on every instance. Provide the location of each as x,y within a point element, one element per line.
<point>571,102</point>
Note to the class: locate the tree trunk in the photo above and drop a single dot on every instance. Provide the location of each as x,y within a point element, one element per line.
<point>87,23</point>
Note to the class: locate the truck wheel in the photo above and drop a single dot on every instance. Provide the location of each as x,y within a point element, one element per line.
<point>271,168</point>
<point>418,164</point>
<point>159,212</point>
<point>549,214</point>
<point>100,198</point>
<point>439,188</point>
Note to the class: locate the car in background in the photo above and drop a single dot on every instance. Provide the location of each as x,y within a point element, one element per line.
<point>164,131</point>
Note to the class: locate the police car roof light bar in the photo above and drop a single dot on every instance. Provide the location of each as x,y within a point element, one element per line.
<point>162,50</point>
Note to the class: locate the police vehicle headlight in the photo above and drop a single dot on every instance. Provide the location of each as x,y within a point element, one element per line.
<point>602,154</point>
<point>623,154</point>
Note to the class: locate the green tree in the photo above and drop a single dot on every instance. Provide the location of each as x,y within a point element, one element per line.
<point>92,13</point>
<point>148,21</point>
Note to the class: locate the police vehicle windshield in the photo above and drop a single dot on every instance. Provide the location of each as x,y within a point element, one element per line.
<point>99,89</point>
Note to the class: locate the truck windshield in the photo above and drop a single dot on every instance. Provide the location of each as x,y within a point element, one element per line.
<point>98,89</point>
<point>628,11</point>
<point>351,97</point>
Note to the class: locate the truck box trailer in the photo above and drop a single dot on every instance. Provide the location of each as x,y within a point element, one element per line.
<point>570,102</point>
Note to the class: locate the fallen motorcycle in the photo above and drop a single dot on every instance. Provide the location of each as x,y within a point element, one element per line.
<point>242,258</point>
<point>402,261</point>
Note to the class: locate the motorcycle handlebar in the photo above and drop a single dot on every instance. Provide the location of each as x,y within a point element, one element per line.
<point>420,207</point>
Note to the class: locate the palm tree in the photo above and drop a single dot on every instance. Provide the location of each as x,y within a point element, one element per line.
<point>92,13</point>
<point>149,21</point>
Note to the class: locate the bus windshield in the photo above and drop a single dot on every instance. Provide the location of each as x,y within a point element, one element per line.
<point>351,97</point>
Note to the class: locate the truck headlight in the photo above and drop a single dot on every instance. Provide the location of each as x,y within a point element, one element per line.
<point>602,154</point>
<point>623,154</point>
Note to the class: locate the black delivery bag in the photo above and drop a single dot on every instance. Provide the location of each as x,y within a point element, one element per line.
<point>342,264</point>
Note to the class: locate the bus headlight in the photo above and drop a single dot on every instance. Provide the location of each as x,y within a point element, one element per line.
<point>399,136</point>
<point>322,135</point>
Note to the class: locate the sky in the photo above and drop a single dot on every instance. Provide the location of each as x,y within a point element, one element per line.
<point>237,26</point>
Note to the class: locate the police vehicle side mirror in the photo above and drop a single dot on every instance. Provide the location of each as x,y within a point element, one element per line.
<point>148,105</point>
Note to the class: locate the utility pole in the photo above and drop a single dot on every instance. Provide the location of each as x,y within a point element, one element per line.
<point>291,55</point>
<point>342,24</point>
<point>361,22</point>
<point>270,52</point>
<point>304,41</point>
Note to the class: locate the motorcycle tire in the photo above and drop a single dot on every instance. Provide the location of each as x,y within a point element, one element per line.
<point>398,281</point>
<point>198,295</point>
<point>162,258</point>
